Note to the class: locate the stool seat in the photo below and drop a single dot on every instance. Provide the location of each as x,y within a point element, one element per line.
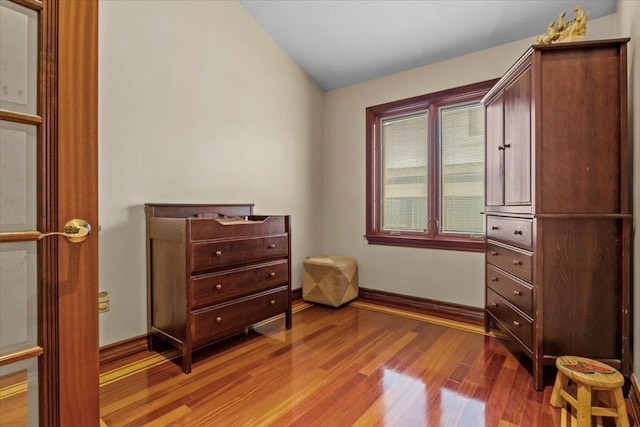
<point>330,280</point>
<point>594,383</point>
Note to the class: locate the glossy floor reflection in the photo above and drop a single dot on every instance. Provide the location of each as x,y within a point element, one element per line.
<point>336,367</point>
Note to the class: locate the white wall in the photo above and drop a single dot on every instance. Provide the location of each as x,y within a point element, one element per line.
<point>628,23</point>
<point>450,276</point>
<point>197,104</point>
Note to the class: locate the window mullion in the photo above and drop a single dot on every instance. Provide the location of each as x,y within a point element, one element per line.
<point>434,172</point>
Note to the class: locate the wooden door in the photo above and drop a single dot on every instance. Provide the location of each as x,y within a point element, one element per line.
<point>517,141</point>
<point>48,175</point>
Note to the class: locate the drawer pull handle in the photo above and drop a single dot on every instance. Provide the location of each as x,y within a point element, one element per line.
<point>494,253</point>
<point>493,304</point>
<point>273,273</point>
<point>218,253</point>
<point>218,286</point>
<point>516,323</point>
<point>494,279</point>
<point>272,302</point>
<point>272,246</point>
<point>495,227</point>
<point>500,147</point>
<point>517,293</point>
<point>516,262</point>
<point>219,319</point>
<point>517,232</point>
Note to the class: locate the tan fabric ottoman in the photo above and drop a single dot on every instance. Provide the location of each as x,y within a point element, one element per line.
<point>330,280</point>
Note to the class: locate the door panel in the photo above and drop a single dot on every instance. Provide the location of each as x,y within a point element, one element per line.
<point>19,396</point>
<point>19,59</point>
<point>517,139</point>
<point>495,153</point>
<point>20,346</point>
<point>18,296</point>
<point>18,176</point>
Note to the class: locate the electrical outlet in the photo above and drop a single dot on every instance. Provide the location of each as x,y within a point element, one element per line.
<point>103,302</point>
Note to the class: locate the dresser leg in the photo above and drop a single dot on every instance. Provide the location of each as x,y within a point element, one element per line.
<point>287,318</point>
<point>487,322</point>
<point>151,342</point>
<point>186,361</point>
<point>538,376</point>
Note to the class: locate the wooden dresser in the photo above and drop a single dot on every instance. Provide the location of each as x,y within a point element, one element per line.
<point>213,271</point>
<point>558,210</point>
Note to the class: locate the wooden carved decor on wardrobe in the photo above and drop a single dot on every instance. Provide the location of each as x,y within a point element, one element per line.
<point>558,206</point>
<point>214,270</point>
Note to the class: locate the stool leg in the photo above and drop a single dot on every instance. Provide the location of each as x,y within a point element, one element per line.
<point>584,405</point>
<point>563,415</point>
<point>600,398</point>
<point>561,383</point>
<point>618,399</point>
<point>574,420</point>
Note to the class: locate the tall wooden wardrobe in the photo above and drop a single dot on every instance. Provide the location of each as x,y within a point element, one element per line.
<point>558,206</point>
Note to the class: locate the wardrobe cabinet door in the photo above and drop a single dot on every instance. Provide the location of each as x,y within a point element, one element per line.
<point>517,141</point>
<point>495,153</point>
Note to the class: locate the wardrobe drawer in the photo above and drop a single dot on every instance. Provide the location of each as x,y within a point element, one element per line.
<point>516,292</point>
<point>208,289</point>
<point>210,323</point>
<point>510,318</point>
<point>514,231</point>
<point>511,260</point>
<point>221,253</point>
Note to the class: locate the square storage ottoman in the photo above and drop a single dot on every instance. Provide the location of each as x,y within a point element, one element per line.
<point>330,280</point>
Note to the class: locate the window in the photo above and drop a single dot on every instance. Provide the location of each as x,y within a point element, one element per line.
<point>425,170</point>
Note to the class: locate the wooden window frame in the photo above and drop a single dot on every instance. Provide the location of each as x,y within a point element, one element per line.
<point>432,103</point>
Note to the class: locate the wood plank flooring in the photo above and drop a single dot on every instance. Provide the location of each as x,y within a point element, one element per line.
<point>353,366</point>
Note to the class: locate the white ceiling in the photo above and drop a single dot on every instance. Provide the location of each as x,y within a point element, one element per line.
<point>342,42</point>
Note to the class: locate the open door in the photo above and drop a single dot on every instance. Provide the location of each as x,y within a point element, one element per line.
<point>48,175</point>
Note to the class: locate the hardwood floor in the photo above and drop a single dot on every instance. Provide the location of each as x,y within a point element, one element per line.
<point>358,365</point>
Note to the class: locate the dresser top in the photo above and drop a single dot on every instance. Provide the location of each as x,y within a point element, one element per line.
<point>184,210</point>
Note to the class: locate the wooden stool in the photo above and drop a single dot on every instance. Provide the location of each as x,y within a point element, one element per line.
<point>593,383</point>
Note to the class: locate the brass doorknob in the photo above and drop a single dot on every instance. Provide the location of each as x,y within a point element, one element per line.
<point>75,230</point>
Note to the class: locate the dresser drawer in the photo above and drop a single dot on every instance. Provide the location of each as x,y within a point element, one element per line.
<point>516,292</point>
<point>208,289</point>
<point>221,253</point>
<point>207,228</point>
<point>216,321</point>
<point>514,231</point>
<point>511,260</point>
<point>510,318</point>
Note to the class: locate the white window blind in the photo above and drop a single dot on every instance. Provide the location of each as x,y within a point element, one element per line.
<point>462,171</point>
<point>404,173</point>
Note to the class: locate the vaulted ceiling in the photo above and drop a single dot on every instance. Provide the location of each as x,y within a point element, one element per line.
<point>342,42</point>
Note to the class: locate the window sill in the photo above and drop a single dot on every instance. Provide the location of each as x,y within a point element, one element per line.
<point>447,243</point>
